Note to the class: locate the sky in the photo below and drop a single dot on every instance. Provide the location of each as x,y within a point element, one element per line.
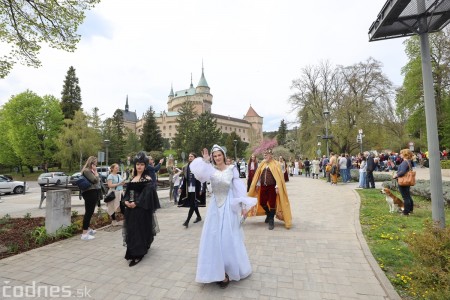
<point>251,51</point>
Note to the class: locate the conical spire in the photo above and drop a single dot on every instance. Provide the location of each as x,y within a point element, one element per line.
<point>202,81</point>
<point>126,105</point>
<point>191,86</point>
<point>171,90</point>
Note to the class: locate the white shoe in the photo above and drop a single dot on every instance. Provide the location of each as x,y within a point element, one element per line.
<point>91,231</point>
<point>87,237</point>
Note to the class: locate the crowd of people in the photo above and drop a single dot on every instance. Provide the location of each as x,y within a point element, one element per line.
<point>222,255</point>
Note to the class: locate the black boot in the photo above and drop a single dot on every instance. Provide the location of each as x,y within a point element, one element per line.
<point>266,209</point>
<point>186,224</point>
<point>271,219</point>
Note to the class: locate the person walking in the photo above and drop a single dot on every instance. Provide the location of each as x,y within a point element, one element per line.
<point>342,161</point>
<point>176,184</point>
<point>115,183</point>
<point>334,168</point>
<point>252,166</point>
<point>91,196</point>
<point>269,187</point>
<point>315,167</point>
<point>192,192</point>
<point>171,171</point>
<point>141,202</point>
<point>403,168</point>
<point>222,256</point>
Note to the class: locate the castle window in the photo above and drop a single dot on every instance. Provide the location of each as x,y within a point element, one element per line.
<point>164,127</point>
<point>164,135</point>
<point>170,134</point>
<point>170,126</point>
<point>244,139</point>
<point>235,129</point>
<point>239,130</point>
<point>243,130</point>
<point>226,128</point>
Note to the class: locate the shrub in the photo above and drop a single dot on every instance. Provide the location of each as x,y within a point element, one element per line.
<point>445,164</point>
<point>430,270</point>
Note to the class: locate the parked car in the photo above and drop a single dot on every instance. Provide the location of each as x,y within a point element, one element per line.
<point>74,177</point>
<point>53,178</point>
<point>7,176</point>
<point>8,186</point>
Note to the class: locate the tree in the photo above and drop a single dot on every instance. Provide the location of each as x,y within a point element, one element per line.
<point>7,155</point>
<point>205,133</point>
<point>77,141</point>
<point>355,96</point>
<point>410,99</point>
<point>27,24</point>
<point>33,124</point>
<point>114,131</point>
<point>282,131</point>
<point>185,128</point>
<point>70,95</point>
<point>151,138</point>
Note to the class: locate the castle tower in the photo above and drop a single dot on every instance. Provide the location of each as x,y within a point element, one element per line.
<point>203,91</point>
<point>256,122</point>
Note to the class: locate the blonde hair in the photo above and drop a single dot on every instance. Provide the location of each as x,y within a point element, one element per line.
<point>89,162</point>
<point>406,153</point>
<point>111,168</point>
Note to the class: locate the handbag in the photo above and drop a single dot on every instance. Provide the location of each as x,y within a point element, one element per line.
<point>409,179</point>
<point>83,183</point>
<point>110,196</point>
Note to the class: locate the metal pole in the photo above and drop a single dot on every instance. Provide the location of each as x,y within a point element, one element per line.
<point>437,195</point>
<point>361,143</point>
<point>437,198</point>
<point>326,136</point>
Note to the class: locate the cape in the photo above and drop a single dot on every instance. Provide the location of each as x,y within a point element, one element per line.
<point>283,212</point>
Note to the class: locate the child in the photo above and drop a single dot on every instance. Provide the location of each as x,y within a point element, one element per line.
<point>176,183</point>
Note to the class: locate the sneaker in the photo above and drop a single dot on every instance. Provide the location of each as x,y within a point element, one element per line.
<point>87,237</point>
<point>91,231</point>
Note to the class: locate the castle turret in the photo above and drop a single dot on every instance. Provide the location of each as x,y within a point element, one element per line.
<point>257,122</point>
<point>203,90</point>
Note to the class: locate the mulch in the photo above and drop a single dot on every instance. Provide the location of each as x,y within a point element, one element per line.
<point>16,233</point>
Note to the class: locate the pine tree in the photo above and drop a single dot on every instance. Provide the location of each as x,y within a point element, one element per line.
<point>186,127</point>
<point>282,131</point>
<point>151,135</point>
<point>206,133</point>
<point>70,95</point>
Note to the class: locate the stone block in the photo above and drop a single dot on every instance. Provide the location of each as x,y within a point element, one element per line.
<point>58,210</point>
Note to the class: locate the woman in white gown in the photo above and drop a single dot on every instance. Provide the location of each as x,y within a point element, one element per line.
<point>222,255</point>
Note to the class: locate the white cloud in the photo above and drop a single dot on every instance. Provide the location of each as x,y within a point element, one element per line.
<point>251,49</point>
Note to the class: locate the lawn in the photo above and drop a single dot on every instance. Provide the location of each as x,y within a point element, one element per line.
<point>393,239</point>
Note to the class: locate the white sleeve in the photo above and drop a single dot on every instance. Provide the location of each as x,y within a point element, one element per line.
<point>201,169</point>
<point>240,198</point>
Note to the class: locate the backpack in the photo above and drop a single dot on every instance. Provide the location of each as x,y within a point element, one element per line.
<point>83,183</point>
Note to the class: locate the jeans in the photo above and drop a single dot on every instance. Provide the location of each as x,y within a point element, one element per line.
<point>362,179</point>
<point>175,193</point>
<point>406,195</point>
<point>344,175</point>
<point>370,180</point>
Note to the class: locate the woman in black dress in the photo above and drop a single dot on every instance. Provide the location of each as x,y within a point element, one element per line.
<point>141,201</point>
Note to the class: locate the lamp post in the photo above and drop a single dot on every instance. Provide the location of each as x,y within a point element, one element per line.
<point>106,142</point>
<point>359,139</point>
<point>326,114</point>
<point>318,146</point>
<point>235,151</point>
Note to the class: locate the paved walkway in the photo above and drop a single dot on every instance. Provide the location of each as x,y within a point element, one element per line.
<point>323,256</point>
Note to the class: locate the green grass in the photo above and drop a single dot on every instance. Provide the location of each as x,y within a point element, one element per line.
<point>388,236</point>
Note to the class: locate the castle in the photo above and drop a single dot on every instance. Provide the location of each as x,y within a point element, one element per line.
<point>249,128</point>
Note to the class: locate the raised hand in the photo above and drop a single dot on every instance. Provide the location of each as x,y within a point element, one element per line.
<point>205,154</point>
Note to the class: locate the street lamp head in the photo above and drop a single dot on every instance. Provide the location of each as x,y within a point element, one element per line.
<point>326,113</point>
<point>106,142</point>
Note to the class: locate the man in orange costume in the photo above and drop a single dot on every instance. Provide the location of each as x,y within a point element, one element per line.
<point>269,187</point>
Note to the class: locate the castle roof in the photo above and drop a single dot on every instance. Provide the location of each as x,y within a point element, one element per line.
<point>186,92</point>
<point>129,116</point>
<point>252,113</point>
<point>221,117</point>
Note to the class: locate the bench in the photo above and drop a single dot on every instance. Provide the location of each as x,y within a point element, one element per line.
<point>161,184</point>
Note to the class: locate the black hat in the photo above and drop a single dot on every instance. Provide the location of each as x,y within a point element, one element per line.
<point>141,157</point>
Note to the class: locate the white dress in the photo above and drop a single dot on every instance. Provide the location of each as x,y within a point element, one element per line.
<point>222,248</point>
